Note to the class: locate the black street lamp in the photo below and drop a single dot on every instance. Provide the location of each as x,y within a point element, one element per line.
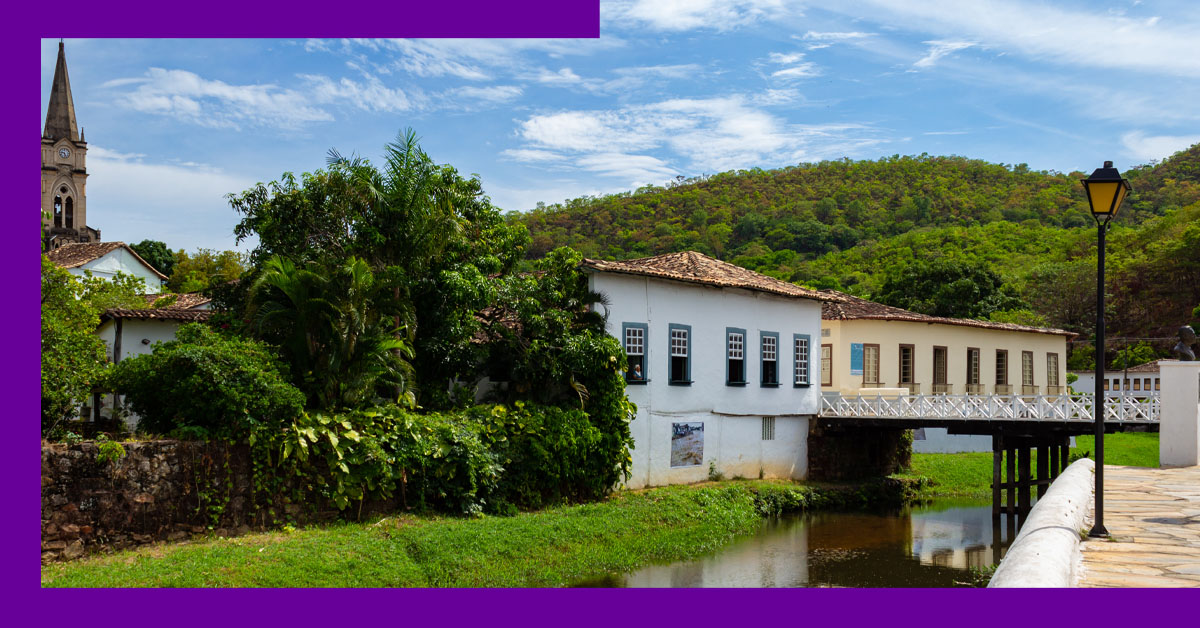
<point>1106,188</point>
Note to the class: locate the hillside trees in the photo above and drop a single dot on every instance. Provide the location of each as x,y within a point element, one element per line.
<point>948,288</point>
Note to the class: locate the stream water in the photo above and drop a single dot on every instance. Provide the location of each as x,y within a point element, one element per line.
<point>934,545</point>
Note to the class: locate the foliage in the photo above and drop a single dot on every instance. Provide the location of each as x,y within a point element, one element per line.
<point>337,327</point>
<point>202,380</point>
<point>948,288</point>
<point>108,451</point>
<point>74,358</point>
<point>156,254</point>
<point>1026,317</point>
<point>1133,355</point>
<point>204,269</point>
<point>427,230</point>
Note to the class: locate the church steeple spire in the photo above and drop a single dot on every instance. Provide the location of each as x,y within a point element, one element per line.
<point>60,116</point>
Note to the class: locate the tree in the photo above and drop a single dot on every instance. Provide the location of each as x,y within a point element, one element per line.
<point>74,359</point>
<point>427,231</point>
<point>948,288</point>
<point>334,326</point>
<point>1133,355</point>
<point>203,381</point>
<point>157,255</point>
<point>204,269</point>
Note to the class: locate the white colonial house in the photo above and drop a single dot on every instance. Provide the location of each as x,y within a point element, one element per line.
<point>869,348</point>
<point>133,332</point>
<point>105,260</point>
<point>1138,381</point>
<point>722,366</point>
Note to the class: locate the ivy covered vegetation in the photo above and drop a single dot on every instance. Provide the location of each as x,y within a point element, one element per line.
<point>349,354</point>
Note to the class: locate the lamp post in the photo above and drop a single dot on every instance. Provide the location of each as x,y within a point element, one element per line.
<point>1106,189</point>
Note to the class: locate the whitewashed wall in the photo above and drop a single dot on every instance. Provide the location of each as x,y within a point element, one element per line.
<point>138,337</point>
<point>121,260</point>
<point>732,415</point>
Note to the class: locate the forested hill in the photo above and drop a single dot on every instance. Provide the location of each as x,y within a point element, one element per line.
<point>813,209</point>
<point>853,225</point>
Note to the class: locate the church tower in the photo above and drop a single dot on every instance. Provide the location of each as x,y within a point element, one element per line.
<point>64,167</point>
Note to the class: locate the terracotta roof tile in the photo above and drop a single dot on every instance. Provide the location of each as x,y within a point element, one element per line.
<point>76,254</point>
<point>693,267</point>
<point>186,300</point>
<point>854,308</point>
<point>164,314</point>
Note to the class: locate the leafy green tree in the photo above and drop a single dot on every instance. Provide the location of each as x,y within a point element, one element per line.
<point>1026,317</point>
<point>1133,355</point>
<point>157,255</point>
<point>334,324</point>
<point>948,288</point>
<point>423,228</point>
<point>204,269</point>
<point>74,359</point>
<point>209,384</point>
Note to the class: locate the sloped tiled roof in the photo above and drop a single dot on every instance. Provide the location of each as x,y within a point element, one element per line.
<point>854,308</point>
<point>76,254</point>
<point>162,313</point>
<point>693,267</point>
<point>186,301</point>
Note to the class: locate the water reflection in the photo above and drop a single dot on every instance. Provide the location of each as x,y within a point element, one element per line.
<point>930,546</point>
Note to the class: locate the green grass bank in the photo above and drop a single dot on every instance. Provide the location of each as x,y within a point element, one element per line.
<point>970,475</point>
<point>548,548</point>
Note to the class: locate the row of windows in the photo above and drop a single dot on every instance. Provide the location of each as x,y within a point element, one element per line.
<point>679,366</point>
<point>907,367</point>
<point>1137,383</point>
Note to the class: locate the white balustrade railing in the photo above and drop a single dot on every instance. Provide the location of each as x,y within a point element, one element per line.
<point>1073,407</point>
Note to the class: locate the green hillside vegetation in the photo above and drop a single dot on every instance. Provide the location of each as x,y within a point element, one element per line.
<point>853,225</point>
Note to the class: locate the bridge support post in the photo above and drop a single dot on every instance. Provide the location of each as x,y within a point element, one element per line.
<point>1023,451</point>
<point>997,459</point>
<point>1064,453</point>
<point>1011,484</point>
<point>1043,466</point>
<point>1053,450</point>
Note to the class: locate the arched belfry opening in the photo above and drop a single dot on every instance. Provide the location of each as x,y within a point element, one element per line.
<point>70,213</point>
<point>58,210</point>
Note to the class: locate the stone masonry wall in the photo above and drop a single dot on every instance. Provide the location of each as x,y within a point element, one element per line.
<point>838,453</point>
<point>161,490</point>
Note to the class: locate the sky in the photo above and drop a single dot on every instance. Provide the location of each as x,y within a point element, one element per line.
<point>671,88</point>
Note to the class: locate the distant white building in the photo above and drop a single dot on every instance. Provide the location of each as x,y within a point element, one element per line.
<point>130,333</point>
<point>722,366</point>
<point>105,260</point>
<point>1139,381</point>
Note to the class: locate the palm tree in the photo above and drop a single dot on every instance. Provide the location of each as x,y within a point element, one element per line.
<point>334,325</point>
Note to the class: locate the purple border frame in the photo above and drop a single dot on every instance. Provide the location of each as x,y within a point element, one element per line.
<point>450,18</point>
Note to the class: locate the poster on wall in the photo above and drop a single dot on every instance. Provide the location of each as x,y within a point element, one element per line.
<point>856,358</point>
<point>687,444</point>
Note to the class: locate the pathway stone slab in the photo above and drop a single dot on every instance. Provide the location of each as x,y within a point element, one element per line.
<point>1152,515</point>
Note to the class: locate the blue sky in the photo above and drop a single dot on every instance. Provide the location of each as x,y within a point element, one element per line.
<point>671,88</point>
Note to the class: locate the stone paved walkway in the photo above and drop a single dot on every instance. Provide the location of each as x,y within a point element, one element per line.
<point>1153,516</point>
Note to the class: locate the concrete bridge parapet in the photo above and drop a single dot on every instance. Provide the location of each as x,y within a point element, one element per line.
<point>1046,552</point>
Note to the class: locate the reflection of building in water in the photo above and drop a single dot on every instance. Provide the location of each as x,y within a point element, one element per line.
<point>777,559</point>
<point>955,537</point>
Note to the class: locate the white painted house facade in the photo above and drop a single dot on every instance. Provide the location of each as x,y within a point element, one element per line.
<point>105,260</point>
<point>722,366</point>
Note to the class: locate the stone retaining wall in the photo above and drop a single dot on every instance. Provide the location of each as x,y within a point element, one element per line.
<point>161,490</point>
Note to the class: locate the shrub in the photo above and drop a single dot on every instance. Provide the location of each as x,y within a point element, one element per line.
<point>203,382</point>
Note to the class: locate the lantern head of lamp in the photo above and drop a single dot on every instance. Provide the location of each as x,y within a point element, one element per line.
<point>1106,190</point>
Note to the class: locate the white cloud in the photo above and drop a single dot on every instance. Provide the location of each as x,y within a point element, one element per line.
<point>1156,147</point>
<point>192,98</point>
<point>564,76</point>
<point>833,37</point>
<point>939,49</point>
<point>681,15</point>
<point>798,68</point>
<point>708,135</point>
<point>531,155</point>
<point>130,199</point>
<point>1046,32</point>
<point>368,95</point>
<point>494,94</point>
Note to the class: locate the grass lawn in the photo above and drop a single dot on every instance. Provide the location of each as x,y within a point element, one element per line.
<point>970,475</point>
<point>554,547</point>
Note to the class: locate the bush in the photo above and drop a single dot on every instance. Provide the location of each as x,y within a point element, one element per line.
<point>204,383</point>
